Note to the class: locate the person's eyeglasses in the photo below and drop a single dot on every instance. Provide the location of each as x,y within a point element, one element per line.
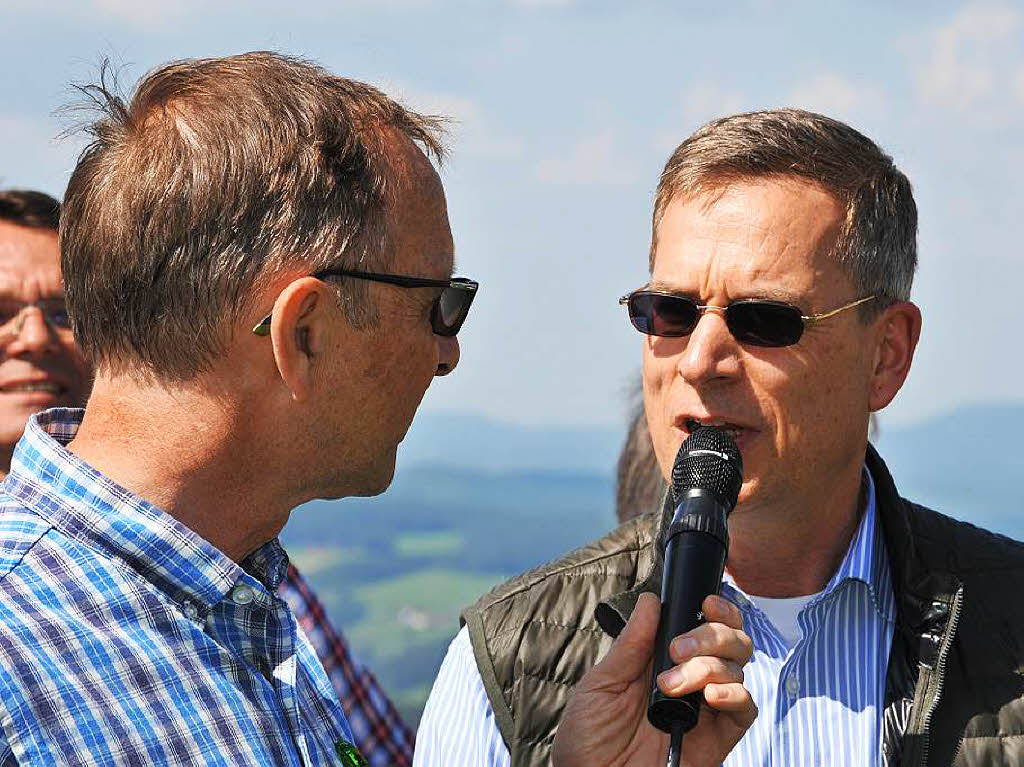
<point>753,321</point>
<point>12,315</point>
<point>446,315</point>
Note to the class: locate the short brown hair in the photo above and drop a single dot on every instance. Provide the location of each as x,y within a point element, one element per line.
<point>27,207</point>
<point>877,246</point>
<point>215,173</point>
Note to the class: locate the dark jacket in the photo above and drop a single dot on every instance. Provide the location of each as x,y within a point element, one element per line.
<point>954,685</point>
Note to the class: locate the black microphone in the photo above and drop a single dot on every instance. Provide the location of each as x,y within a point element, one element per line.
<point>706,479</point>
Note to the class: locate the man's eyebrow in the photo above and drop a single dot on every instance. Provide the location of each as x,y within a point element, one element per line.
<point>767,292</point>
<point>774,294</point>
<point>11,295</point>
<point>665,287</point>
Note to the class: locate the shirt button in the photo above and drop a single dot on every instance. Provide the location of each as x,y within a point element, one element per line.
<point>190,610</point>
<point>242,594</point>
<point>793,685</point>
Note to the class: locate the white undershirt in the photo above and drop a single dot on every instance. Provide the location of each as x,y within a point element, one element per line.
<point>783,614</point>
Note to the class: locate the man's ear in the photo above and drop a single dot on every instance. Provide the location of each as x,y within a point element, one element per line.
<point>898,330</point>
<point>297,330</point>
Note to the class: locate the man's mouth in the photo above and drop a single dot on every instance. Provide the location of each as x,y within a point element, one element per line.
<point>49,387</point>
<point>734,431</point>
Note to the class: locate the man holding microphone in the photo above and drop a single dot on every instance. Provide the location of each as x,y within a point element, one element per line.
<point>778,308</point>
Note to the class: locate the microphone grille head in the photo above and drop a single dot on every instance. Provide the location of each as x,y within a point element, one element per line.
<point>709,460</point>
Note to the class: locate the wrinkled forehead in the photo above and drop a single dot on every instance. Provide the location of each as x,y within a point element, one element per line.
<point>29,263</point>
<point>750,231</point>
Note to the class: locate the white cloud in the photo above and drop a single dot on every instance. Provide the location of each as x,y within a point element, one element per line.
<point>542,3</point>
<point>701,102</point>
<point>593,160</point>
<point>31,156</point>
<point>837,96</point>
<point>451,105</point>
<point>149,12</point>
<point>138,12</point>
<point>969,63</point>
<point>704,101</point>
<point>1018,86</point>
<point>469,130</point>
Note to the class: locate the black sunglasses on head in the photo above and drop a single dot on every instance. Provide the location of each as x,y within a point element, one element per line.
<point>753,321</point>
<point>447,314</point>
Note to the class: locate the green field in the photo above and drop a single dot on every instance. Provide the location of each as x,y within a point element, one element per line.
<point>395,571</point>
<point>429,544</point>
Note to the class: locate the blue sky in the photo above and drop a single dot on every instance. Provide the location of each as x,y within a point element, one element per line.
<point>567,109</point>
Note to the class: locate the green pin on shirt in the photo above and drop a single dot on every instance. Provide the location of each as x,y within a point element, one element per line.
<point>349,754</point>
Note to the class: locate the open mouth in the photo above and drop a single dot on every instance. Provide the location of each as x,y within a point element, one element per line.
<point>734,431</point>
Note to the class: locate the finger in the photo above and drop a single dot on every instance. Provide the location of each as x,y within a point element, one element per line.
<point>631,652</point>
<point>712,639</point>
<point>698,672</point>
<point>718,609</point>
<point>733,698</point>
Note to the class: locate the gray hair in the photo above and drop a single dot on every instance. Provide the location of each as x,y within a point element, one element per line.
<point>215,174</point>
<point>877,246</point>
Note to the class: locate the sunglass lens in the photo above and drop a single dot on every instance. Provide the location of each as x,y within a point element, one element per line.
<point>451,309</point>
<point>659,315</point>
<point>764,323</point>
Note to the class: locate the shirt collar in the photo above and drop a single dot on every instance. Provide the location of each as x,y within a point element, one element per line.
<point>87,506</point>
<point>865,559</point>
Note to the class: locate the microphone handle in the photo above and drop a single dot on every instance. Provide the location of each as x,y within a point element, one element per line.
<point>694,563</point>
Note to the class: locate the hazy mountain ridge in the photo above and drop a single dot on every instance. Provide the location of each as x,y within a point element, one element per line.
<point>966,464</point>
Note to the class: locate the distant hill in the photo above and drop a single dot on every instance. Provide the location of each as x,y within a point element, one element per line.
<point>968,464</point>
<point>475,501</point>
<point>481,444</point>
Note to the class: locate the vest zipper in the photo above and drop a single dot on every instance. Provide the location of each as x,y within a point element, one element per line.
<point>940,674</point>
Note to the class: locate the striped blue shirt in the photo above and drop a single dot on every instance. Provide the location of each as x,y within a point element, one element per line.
<point>819,701</point>
<point>125,638</point>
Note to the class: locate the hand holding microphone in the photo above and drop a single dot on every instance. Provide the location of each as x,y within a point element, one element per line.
<point>606,721</point>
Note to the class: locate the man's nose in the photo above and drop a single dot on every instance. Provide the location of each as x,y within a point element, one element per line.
<point>710,353</point>
<point>30,334</point>
<point>448,354</point>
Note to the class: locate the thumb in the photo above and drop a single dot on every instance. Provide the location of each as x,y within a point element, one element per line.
<point>631,652</point>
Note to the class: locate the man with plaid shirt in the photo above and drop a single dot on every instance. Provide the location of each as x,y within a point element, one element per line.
<point>140,619</point>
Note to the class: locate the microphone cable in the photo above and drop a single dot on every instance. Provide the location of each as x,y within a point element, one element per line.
<point>675,747</point>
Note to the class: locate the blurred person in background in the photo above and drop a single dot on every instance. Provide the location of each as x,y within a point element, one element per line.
<point>639,484</point>
<point>784,245</point>
<point>42,367</point>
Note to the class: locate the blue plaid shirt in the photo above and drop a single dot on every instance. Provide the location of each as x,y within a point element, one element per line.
<point>125,638</point>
